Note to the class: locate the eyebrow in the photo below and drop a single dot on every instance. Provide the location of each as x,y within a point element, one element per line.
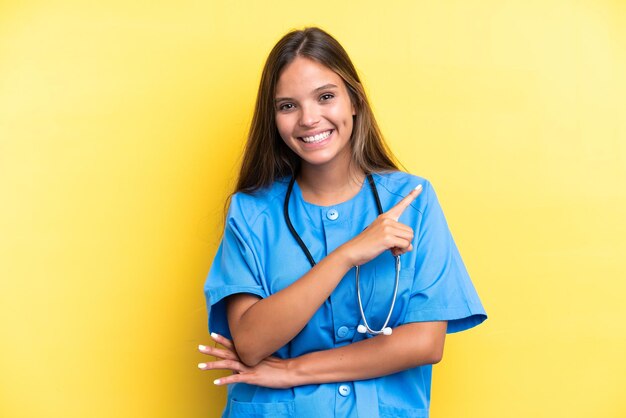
<point>324,87</point>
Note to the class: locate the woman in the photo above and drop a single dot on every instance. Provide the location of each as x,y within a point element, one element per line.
<point>305,332</point>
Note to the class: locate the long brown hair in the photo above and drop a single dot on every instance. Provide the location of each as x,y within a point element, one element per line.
<point>266,157</point>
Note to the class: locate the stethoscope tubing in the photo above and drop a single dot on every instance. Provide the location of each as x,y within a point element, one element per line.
<point>365,328</point>
<point>385,329</point>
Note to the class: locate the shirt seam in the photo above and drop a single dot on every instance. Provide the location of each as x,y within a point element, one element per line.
<point>272,195</point>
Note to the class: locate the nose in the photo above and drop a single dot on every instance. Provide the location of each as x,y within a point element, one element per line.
<point>309,116</point>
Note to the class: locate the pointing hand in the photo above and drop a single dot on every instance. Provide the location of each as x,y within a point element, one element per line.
<point>385,233</point>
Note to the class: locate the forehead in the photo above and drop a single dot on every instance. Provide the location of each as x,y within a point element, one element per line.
<point>303,75</point>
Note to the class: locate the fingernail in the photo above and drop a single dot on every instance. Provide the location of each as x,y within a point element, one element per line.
<point>216,381</point>
<point>419,186</point>
<point>202,347</point>
<point>201,365</point>
<point>214,335</point>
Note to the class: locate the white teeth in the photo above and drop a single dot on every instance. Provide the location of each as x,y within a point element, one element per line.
<point>316,138</point>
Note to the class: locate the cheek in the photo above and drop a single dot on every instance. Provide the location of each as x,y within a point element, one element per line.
<point>280,125</point>
<point>345,122</point>
<point>284,127</point>
<point>342,115</point>
<point>285,131</point>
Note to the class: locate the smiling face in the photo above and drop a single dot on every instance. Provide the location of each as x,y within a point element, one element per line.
<point>314,113</point>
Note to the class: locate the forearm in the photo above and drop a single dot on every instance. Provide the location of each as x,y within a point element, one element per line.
<point>260,327</point>
<point>409,346</point>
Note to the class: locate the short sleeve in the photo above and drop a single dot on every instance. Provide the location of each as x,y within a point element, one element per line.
<point>235,269</point>
<point>442,289</point>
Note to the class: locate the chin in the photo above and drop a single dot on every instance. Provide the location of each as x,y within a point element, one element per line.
<point>325,158</point>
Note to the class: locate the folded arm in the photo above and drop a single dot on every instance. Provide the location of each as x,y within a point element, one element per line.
<point>409,346</point>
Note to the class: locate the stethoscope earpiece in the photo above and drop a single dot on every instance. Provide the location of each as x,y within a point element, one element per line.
<point>361,329</point>
<point>364,327</point>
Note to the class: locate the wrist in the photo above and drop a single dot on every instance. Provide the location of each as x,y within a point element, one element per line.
<point>298,375</point>
<point>344,256</point>
<point>294,371</point>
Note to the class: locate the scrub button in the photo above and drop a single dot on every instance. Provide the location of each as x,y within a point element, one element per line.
<point>342,332</point>
<point>344,390</point>
<point>332,214</point>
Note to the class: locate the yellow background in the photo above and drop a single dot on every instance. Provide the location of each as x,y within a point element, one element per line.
<point>121,128</point>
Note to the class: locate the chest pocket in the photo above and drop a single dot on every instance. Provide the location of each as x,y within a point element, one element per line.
<point>377,293</point>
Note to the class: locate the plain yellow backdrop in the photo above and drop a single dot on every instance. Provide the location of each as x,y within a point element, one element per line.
<point>121,128</point>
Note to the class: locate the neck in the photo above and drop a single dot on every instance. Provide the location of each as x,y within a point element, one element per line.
<point>326,186</point>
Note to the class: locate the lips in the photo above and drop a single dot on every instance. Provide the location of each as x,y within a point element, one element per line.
<point>319,137</point>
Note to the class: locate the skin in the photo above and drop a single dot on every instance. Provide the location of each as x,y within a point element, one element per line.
<point>312,99</point>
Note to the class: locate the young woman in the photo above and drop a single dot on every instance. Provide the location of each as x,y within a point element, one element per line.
<point>306,333</point>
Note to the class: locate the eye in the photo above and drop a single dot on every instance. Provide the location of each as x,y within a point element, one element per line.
<point>326,96</point>
<point>285,107</point>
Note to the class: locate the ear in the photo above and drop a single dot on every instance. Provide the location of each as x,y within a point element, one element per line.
<point>353,110</point>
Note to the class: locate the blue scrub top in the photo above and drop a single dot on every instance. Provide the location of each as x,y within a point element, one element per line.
<point>258,255</point>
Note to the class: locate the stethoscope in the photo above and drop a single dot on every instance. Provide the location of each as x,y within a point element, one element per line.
<point>364,328</point>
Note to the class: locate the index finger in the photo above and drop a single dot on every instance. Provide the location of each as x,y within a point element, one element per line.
<point>399,208</point>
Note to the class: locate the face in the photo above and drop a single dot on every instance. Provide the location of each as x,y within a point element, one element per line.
<point>314,113</point>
